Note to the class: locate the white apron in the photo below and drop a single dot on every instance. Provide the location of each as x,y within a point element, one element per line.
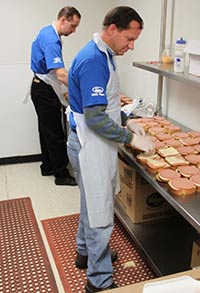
<point>98,156</point>
<point>50,78</point>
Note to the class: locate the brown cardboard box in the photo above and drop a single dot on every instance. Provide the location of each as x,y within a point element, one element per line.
<point>195,259</point>
<point>138,198</point>
<point>138,287</point>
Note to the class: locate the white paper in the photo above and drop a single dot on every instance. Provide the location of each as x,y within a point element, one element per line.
<point>184,284</point>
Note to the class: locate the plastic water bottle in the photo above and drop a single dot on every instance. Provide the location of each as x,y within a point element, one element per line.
<point>179,55</point>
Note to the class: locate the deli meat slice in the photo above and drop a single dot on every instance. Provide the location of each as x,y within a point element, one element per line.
<point>159,144</point>
<point>194,133</point>
<point>185,150</point>
<point>197,148</point>
<point>191,141</point>
<point>158,118</point>
<point>181,135</point>
<point>193,159</point>
<point>156,130</point>
<point>181,186</point>
<point>188,171</point>
<point>196,180</point>
<point>163,136</point>
<point>175,143</point>
<point>173,128</point>
<point>167,174</point>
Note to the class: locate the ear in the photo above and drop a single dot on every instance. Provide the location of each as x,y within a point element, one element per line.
<point>112,29</point>
<point>62,19</point>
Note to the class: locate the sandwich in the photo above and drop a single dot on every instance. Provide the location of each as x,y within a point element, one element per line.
<point>175,161</point>
<point>143,157</point>
<point>155,165</point>
<point>197,148</point>
<point>181,186</point>
<point>163,136</point>
<point>196,181</point>
<point>194,133</point>
<point>167,174</point>
<point>181,135</point>
<point>186,150</point>
<point>155,130</point>
<point>193,159</point>
<point>173,128</point>
<point>175,143</point>
<point>188,171</point>
<point>165,152</point>
<point>191,140</point>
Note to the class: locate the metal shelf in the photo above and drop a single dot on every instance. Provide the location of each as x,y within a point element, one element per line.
<point>166,70</point>
<point>166,243</point>
<point>187,206</point>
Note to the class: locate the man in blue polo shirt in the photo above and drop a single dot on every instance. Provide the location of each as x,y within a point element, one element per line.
<point>47,93</point>
<point>95,122</point>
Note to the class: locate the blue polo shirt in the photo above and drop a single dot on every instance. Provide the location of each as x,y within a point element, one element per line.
<point>46,51</point>
<point>87,79</point>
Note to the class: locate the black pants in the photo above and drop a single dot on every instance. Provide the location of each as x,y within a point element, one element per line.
<point>51,132</point>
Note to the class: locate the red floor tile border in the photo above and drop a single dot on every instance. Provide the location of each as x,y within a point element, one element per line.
<point>131,266</point>
<point>24,263</point>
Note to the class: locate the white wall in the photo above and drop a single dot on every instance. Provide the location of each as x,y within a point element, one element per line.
<point>180,101</point>
<point>136,82</point>
<point>184,101</point>
<point>20,20</point>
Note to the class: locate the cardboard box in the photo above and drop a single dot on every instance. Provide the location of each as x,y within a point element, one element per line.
<point>138,198</point>
<point>195,259</point>
<point>193,49</point>
<point>139,287</point>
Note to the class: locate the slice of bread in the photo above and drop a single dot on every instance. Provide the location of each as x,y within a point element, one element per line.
<point>176,161</point>
<point>154,165</point>
<point>143,157</point>
<point>165,152</point>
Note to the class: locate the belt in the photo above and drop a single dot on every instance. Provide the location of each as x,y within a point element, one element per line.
<point>37,79</point>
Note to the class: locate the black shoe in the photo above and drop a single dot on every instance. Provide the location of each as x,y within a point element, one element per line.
<point>89,288</point>
<point>47,173</point>
<point>69,180</point>
<point>81,260</point>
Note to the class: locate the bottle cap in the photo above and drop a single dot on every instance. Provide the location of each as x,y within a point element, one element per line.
<point>181,41</point>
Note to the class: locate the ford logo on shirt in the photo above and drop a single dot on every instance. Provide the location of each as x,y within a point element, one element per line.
<point>97,91</point>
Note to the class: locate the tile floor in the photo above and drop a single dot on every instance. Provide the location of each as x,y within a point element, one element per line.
<point>48,200</point>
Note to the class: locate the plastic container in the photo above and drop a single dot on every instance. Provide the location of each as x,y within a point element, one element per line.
<point>167,55</point>
<point>179,55</point>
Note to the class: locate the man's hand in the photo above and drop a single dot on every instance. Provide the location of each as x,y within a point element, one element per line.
<point>137,129</point>
<point>143,143</point>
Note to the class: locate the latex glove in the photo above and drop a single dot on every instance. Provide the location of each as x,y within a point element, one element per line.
<point>143,143</point>
<point>134,127</point>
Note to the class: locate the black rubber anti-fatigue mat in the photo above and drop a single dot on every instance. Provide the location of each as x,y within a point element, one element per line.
<point>24,264</point>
